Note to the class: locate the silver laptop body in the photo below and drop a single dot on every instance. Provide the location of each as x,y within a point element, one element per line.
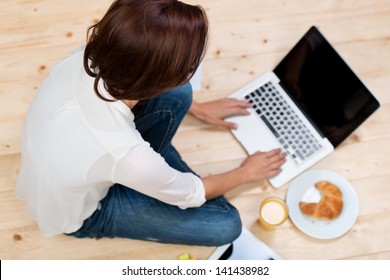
<point>308,105</point>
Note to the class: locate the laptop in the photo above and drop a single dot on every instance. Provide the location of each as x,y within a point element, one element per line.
<point>309,104</point>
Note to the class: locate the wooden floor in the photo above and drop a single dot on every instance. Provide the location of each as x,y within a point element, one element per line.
<point>247,38</point>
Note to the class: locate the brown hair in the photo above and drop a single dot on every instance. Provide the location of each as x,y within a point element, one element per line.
<point>143,47</point>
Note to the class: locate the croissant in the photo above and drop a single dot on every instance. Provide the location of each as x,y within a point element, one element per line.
<point>330,205</point>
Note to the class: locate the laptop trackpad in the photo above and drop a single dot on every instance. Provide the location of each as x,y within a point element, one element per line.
<point>253,134</point>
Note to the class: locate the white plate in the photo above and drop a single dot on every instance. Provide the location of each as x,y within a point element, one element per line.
<point>302,189</point>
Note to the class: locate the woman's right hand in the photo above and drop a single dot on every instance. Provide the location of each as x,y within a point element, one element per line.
<point>255,167</point>
<point>262,165</point>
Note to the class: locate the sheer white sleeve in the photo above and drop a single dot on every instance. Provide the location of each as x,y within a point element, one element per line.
<point>145,171</point>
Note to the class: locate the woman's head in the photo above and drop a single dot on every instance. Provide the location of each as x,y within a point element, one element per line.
<point>141,48</point>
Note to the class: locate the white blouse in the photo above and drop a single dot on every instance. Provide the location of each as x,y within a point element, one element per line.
<point>75,146</point>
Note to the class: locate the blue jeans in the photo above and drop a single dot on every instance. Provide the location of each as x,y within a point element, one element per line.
<point>127,213</point>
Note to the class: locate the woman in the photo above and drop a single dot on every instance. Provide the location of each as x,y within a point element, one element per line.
<point>97,158</point>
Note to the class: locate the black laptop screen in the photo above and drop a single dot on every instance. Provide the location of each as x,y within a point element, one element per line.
<point>325,88</point>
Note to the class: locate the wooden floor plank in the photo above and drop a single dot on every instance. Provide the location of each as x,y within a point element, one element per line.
<point>9,169</point>
<point>27,243</point>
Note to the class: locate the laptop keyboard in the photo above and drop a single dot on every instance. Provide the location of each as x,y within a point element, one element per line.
<point>290,131</point>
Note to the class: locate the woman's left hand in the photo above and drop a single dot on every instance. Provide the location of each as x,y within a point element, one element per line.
<point>214,112</point>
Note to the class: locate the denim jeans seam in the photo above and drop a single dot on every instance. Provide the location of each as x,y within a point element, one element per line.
<point>167,132</point>
<point>169,125</point>
<point>148,115</point>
